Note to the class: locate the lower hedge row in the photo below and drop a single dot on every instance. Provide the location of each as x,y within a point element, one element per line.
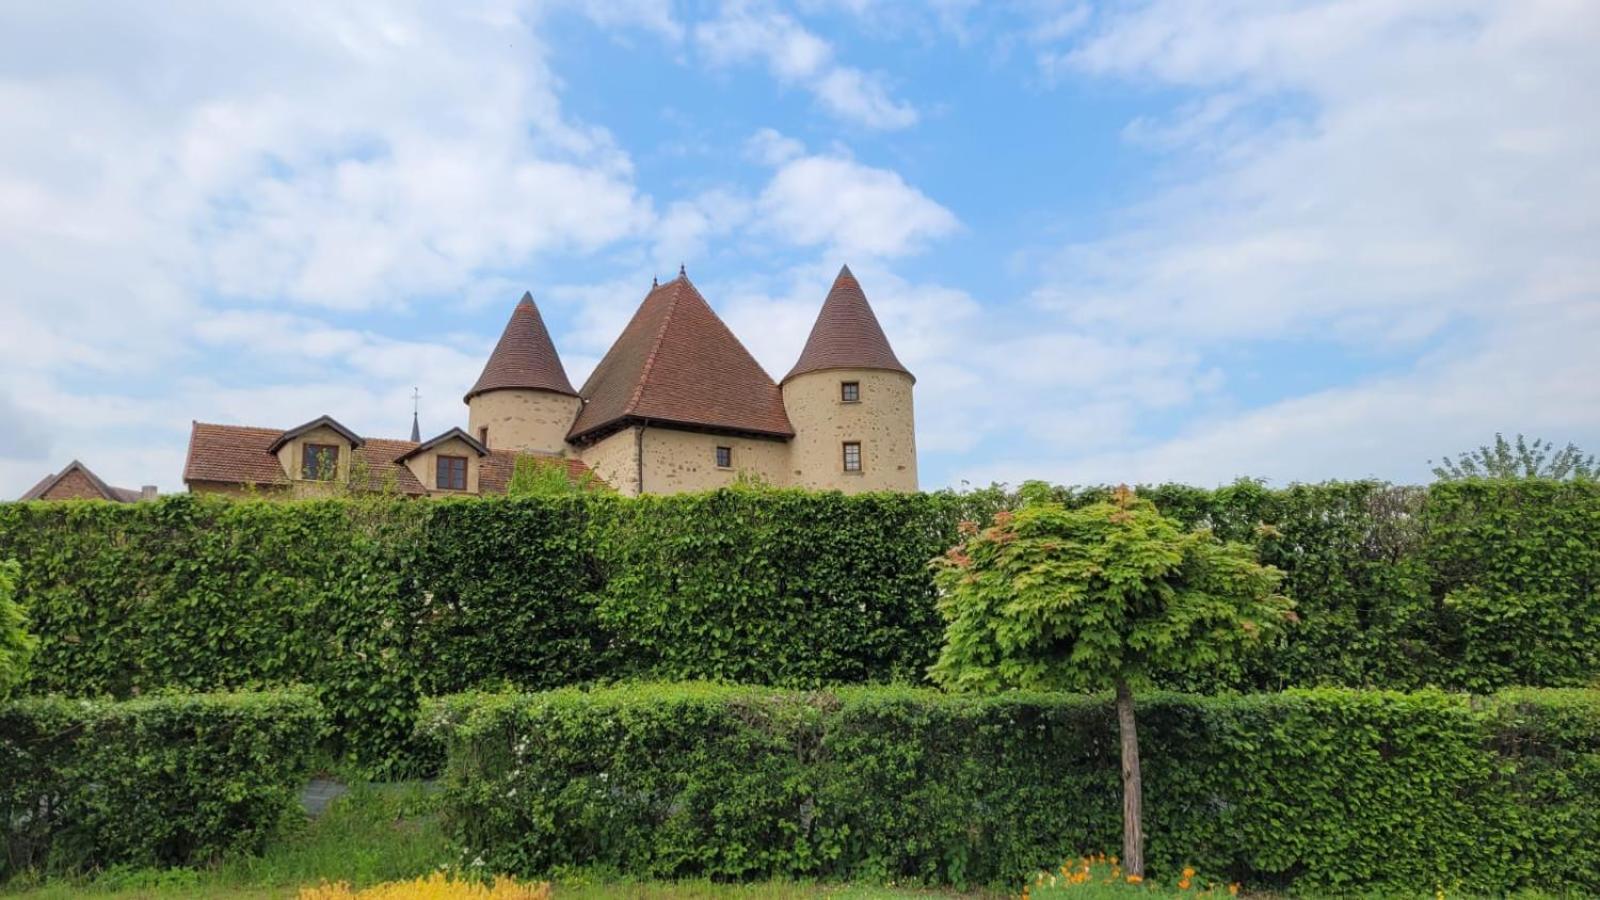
<point>166,780</point>
<point>1328,789</point>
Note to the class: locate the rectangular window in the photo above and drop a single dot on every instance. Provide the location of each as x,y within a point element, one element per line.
<point>852,456</point>
<point>452,472</point>
<point>724,457</point>
<point>850,391</point>
<point>319,462</point>
<point>483,435</point>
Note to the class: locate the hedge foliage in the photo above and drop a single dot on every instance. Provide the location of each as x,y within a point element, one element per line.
<point>375,603</point>
<point>1329,789</point>
<point>165,780</point>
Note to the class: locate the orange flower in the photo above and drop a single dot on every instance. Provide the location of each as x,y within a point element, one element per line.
<point>1183,884</point>
<point>1233,889</point>
<point>1135,879</point>
<point>1188,872</point>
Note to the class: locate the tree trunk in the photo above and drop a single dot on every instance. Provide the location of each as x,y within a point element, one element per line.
<point>1132,785</point>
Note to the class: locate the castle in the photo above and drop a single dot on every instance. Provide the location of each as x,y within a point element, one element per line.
<point>677,404</point>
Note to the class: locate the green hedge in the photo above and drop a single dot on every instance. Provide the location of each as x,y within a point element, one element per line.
<point>372,604</point>
<point>1330,789</point>
<point>166,780</point>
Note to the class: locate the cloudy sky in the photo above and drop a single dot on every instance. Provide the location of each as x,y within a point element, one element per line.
<point>1167,240</point>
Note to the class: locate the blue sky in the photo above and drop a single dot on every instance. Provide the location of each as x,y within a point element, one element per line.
<point>1168,240</point>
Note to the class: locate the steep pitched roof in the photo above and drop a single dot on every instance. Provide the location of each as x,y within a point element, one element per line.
<point>846,334</point>
<point>106,491</point>
<point>237,454</point>
<point>525,357</point>
<point>677,363</point>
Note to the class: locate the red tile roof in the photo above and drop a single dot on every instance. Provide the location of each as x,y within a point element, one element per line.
<point>677,363</point>
<point>846,334</point>
<point>525,357</point>
<point>237,454</point>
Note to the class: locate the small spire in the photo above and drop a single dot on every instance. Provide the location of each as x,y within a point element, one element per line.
<point>654,282</point>
<point>681,272</point>
<point>416,427</point>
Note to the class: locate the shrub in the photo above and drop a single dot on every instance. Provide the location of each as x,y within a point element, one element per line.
<point>16,644</point>
<point>1327,789</point>
<point>165,780</point>
<point>373,603</point>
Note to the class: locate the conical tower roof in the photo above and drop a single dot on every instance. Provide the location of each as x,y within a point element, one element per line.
<point>525,356</point>
<point>677,363</point>
<point>846,334</point>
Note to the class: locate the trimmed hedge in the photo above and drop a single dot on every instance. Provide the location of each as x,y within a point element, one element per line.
<point>1328,789</point>
<point>375,603</point>
<point>167,780</point>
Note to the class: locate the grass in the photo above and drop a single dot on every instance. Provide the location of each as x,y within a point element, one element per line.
<point>371,836</point>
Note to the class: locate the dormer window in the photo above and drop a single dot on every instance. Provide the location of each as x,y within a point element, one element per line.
<point>319,462</point>
<point>724,457</point>
<point>451,473</point>
<point>850,391</point>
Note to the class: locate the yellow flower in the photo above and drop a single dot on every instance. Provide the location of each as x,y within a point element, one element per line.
<point>1135,879</point>
<point>1188,872</point>
<point>1233,889</point>
<point>1183,884</point>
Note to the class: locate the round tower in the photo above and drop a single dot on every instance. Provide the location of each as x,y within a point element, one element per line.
<point>523,400</point>
<point>849,400</point>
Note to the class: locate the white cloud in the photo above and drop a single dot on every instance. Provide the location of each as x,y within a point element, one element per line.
<point>853,209</point>
<point>749,30</point>
<point>1410,179</point>
<point>313,156</point>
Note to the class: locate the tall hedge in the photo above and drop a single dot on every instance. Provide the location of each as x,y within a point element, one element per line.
<point>168,780</point>
<point>1329,789</point>
<point>1466,585</point>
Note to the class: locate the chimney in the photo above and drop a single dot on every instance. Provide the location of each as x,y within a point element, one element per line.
<point>148,492</point>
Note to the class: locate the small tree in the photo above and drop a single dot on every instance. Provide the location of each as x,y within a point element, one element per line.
<point>1504,459</point>
<point>16,644</point>
<point>533,476</point>
<point>1071,599</point>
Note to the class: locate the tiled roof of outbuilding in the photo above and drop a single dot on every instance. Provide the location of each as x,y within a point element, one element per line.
<point>525,357</point>
<point>846,334</point>
<point>238,454</point>
<point>678,363</point>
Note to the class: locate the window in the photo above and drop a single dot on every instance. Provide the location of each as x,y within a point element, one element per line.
<point>483,435</point>
<point>724,457</point>
<point>452,472</point>
<point>850,391</point>
<point>852,456</point>
<point>319,462</point>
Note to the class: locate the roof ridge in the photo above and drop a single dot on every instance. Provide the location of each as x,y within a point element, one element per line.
<point>655,345</point>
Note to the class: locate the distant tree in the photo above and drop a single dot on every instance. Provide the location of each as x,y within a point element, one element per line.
<point>1504,459</point>
<point>532,476</point>
<point>1099,597</point>
<point>16,644</point>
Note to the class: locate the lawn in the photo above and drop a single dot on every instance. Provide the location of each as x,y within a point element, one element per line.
<point>371,836</point>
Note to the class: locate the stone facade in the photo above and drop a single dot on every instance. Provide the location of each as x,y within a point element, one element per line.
<point>880,421</point>
<point>522,419</point>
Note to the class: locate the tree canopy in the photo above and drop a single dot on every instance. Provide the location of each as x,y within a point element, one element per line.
<point>1055,598</point>
<point>1504,459</point>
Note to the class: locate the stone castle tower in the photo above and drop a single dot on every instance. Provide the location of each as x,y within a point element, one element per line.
<point>679,404</point>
